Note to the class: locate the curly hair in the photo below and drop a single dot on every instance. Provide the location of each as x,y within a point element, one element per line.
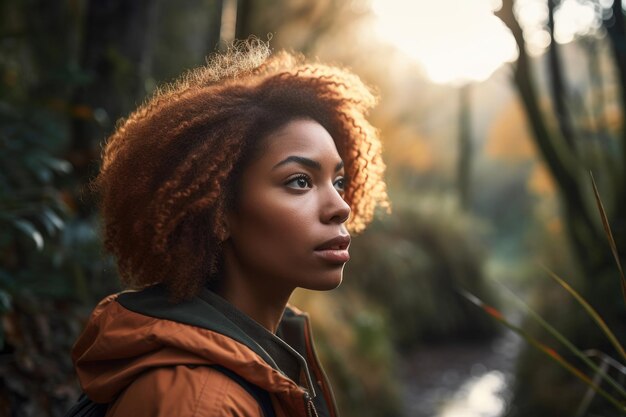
<point>170,170</point>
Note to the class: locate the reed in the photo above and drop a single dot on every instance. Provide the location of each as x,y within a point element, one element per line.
<point>600,373</point>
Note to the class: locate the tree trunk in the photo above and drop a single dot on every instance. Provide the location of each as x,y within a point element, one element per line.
<point>557,84</point>
<point>465,148</point>
<point>117,54</point>
<point>560,160</point>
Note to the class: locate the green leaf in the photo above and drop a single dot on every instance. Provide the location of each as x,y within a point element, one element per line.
<point>38,169</point>
<point>5,301</point>
<point>591,311</point>
<point>30,231</point>
<point>561,338</point>
<point>58,165</point>
<point>55,219</point>
<point>609,235</point>
<point>51,221</point>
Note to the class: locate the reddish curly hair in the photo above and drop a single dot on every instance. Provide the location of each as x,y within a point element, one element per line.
<point>169,171</point>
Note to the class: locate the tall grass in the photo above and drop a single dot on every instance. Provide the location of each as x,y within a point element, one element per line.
<point>596,374</point>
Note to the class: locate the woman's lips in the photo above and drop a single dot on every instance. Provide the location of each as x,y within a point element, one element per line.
<point>338,256</point>
<point>335,250</point>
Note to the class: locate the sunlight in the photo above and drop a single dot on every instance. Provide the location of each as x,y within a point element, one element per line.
<point>479,397</point>
<point>456,41</point>
<point>574,18</point>
<point>461,41</point>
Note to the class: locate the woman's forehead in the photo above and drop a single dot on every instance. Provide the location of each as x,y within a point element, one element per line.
<point>301,137</point>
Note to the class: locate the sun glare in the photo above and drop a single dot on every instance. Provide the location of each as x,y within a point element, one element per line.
<point>461,41</point>
<point>456,41</point>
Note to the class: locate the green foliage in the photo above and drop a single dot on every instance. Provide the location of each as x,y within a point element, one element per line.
<point>47,256</point>
<point>51,261</point>
<point>410,264</point>
<point>574,135</point>
<point>573,360</point>
<point>543,387</point>
<point>31,208</point>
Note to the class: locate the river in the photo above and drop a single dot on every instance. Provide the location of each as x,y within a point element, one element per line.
<point>460,380</point>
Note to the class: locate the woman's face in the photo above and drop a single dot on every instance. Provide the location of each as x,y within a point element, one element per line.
<point>288,228</point>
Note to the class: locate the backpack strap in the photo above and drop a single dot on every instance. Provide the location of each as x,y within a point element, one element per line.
<point>261,396</point>
<point>84,407</point>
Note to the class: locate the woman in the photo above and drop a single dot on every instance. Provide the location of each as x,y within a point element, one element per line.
<point>219,196</point>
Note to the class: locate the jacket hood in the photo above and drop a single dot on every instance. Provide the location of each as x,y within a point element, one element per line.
<point>132,332</point>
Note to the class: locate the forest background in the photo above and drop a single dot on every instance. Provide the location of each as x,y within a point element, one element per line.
<point>492,114</point>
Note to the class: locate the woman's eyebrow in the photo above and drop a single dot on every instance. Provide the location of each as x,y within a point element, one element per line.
<point>306,162</point>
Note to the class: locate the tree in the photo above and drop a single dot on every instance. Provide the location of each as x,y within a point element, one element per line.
<point>566,153</point>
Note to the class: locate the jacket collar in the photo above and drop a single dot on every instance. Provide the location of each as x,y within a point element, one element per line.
<point>210,311</point>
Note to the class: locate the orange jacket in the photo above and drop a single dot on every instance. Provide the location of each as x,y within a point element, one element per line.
<point>147,357</point>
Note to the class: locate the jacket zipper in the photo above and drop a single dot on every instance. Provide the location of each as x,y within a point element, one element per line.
<point>326,383</point>
<point>310,407</point>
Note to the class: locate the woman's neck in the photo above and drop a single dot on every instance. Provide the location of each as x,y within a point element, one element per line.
<point>254,296</point>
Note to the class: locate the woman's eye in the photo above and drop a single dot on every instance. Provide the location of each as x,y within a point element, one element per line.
<point>301,182</point>
<point>340,184</point>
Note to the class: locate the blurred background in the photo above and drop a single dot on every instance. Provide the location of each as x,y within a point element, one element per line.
<point>492,114</point>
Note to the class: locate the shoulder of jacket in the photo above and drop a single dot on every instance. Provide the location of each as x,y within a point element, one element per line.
<point>185,391</point>
<point>102,305</point>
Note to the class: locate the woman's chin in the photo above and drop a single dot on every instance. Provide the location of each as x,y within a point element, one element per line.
<point>326,283</point>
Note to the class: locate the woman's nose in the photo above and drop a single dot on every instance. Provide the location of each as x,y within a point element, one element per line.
<point>335,209</point>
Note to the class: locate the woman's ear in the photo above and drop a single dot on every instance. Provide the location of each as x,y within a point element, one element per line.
<point>222,231</point>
